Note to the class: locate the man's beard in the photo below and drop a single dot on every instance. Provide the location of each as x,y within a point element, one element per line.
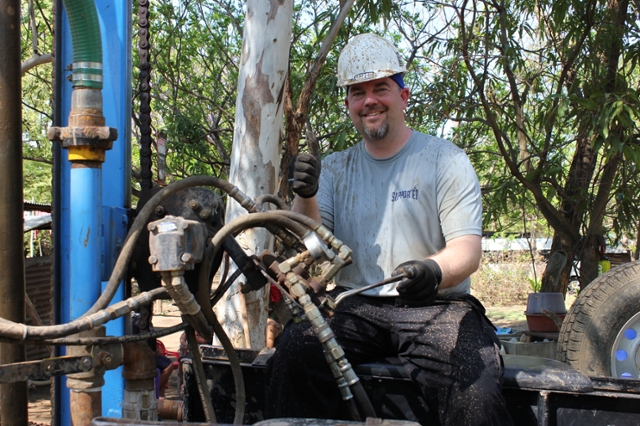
<point>377,133</point>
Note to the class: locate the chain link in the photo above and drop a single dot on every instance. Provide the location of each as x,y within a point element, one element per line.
<point>144,87</point>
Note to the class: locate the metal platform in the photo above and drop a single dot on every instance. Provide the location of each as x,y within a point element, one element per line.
<point>539,392</point>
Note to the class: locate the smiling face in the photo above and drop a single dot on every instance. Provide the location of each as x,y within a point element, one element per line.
<point>377,108</point>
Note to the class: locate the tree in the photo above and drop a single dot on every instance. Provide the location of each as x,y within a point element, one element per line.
<point>255,152</point>
<point>37,90</point>
<point>542,94</point>
<point>195,51</point>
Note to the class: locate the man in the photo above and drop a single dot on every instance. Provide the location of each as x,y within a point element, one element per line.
<point>404,202</point>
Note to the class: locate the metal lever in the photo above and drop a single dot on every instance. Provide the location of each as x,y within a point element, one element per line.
<point>45,369</point>
<point>349,293</point>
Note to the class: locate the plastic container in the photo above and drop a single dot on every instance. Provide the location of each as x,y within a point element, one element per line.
<point>538,323</point>
<point>553,302</point>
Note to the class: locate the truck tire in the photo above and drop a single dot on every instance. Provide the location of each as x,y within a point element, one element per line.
<point>600,335</point>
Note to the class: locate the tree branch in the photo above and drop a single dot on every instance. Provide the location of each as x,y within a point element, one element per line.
<point>34,61</point>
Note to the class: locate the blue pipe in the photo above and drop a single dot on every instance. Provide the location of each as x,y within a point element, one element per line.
<point>92,199</point>
<point>85,249</point>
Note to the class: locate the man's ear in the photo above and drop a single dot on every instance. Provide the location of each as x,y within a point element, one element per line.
<point>346,102</point>
<point>404,94</point>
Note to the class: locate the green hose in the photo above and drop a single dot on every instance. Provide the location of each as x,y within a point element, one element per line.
<point>87,43</point>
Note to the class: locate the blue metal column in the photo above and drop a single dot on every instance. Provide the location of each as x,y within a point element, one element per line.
<point>85,247</point>
<point>116,22</point>
<point>83,260</point>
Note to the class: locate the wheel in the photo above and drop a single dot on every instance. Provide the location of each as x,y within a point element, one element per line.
<point>600,335</point>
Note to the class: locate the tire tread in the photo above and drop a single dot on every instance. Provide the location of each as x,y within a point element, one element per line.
<point>573,337</point>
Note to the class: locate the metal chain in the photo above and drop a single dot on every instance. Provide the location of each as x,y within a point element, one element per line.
<point>144,87</point>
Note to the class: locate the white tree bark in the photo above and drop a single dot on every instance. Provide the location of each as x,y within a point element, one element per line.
<point>34,61</point>
<point>255,154</point>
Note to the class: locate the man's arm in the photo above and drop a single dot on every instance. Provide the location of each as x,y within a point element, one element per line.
<point>308,207</point>
<point>459,259</point>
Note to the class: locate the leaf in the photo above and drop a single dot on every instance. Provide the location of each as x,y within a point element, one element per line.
<point>342,137</point>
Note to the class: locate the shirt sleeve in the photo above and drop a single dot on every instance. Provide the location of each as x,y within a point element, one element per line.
<point>325,196</point>
<point>458,194</point>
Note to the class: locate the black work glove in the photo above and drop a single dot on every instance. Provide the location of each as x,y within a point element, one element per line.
<point>304,171</point>
<point>420,287</point>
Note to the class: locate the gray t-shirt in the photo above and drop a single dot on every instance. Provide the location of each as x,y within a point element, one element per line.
<point>401,208</point>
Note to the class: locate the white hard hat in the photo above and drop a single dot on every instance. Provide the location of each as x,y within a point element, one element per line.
<point>368,57</point>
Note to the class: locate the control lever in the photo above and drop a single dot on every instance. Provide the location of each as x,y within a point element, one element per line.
<point>355,291</point>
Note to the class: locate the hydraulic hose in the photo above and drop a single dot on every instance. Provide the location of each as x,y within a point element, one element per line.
<point>270,198</point>
<point>21,332</point>
<point>120,268</point>
<point>220,291</point>
<point>218,330</point>
<point>201,378</point>
<point>343,386</point>
<point>234,362</point>
<point>232,228</point>
<point>363,399</point>
<point>204,284</point>
<point>191,311</point>
<point>90,341</point>
<point>86,42</point>
<point>299,217</point>
<point>256,220</point>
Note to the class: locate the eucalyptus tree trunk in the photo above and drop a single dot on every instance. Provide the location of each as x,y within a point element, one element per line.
<point>256,151</point>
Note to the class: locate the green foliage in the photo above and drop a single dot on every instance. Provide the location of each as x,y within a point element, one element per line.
<point>195,55</point>
<point>37,92</point>
<point>541,95</point>
<point>502,281</point>
<point>542,98</point>
<point>535,283</point>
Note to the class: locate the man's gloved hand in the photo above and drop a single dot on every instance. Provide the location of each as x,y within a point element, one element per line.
<point>304,171</point>
<point>420,287</point>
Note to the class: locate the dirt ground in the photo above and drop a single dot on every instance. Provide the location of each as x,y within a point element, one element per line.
<point>166,316</point>
<point>508,316</point>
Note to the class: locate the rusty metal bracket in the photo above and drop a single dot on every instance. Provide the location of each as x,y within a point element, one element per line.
<point>45,369</point>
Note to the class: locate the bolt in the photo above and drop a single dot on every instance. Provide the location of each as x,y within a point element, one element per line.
<point>194,204</point>
<point>125,220</point>
<point>205,214</point>
<point>186,258</point>
<point>151,227</point>
<point>160,211</point>
<point>86,363</point>
<point>153,260</point>
<point>185,225</point>
<point>106,358</point>
<point>50,367</point>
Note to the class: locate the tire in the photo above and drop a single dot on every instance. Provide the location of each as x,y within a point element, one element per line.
<point>600,335</point>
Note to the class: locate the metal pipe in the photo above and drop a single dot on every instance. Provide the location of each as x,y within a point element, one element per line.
<point>171,410</point>
<point>85,405</point>
<point>14,404</point>
<point>85,398</point>
<point>139,371</point>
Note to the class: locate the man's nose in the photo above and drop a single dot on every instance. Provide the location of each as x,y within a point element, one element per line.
<point>370,99</point>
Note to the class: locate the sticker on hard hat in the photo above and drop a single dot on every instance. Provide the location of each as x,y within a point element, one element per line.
<point>363,76</point>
